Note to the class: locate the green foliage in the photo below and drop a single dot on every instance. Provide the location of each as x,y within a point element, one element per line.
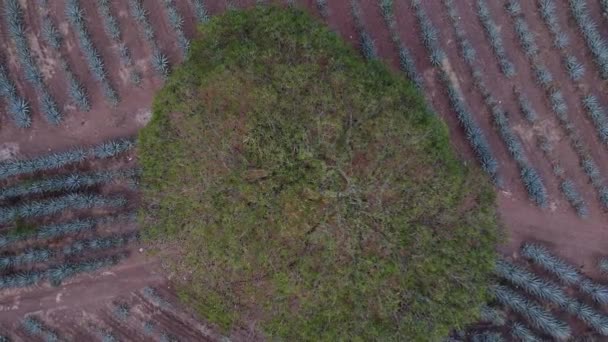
<point>312,203</point>
<point>535,314</point>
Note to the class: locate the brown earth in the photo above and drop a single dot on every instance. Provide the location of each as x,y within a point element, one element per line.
<point>86,298</point>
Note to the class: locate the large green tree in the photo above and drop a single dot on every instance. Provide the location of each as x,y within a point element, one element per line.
<point>311,191</point>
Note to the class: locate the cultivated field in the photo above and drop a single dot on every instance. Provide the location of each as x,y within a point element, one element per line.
<point>520,84</point>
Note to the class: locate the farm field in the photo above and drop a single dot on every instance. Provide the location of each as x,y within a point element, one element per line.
<point>521,85</point>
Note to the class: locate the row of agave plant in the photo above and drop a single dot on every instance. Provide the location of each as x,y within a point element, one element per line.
<point>13,15</point>
<point>544,291</point>
<point>17,106</point>
<point>176,20</point>
<point>71,227</point>
<point>559,107</point>
<point>57,273</point>
<point>596,42</point>
<point>494,37</point>
<point>430,38</point>
<point>76,17</point>
<point>200,11</point>
<point>113,31</point>
<point>406,60</point>
<point>368,48</point>
<point>109,149</point>
<point>530,177</point>
<point>158,60</point>
<point>34,327</point>
<point>575,69</point>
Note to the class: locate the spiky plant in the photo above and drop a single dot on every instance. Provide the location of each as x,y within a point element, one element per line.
<point>588,315</point>
<point>98,243</point>
<point>492,315</point>
<point>495,39</point>
<point>77,92</point>
<point>551,263</point>
<point>18,107</point>
<point>576,70</point>
<point>56,160</point>
<point>76,17</point>
<point>21,279</point>
<point>596,42</point>
<point>71,182</point>
<point>428,34</point>
<point>487,336</point>
<point>52,206</point>
<point>522,333</point>
<point>547,10</point>
<point>474,134</point>
<point>543,75</point>
<point>160,63</point>
<point>158,59</point>
<point>574,198</point>
<point>322,7</point>
<point>50,34</point>
<point>602,264</point>
<point>535,314</point>
<point>176,20</point>
<point>13,14</point>
<point>33,326</point>
<point>597,292</point>
<point>597,113</point>
<point>525,106</point>
<point>167,337</point>
<point>558,103</point>
<point>149,327</point>
<point>529,282</point>
<point>28,256</point>
<point>202,15</point>
<point>122,312</point>
<point>368,47</point>
<point>58,273</point>
<point>153,295</point>
<point>526,37</point>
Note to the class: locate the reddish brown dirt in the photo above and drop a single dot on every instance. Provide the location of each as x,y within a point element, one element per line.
<point>87,298</point>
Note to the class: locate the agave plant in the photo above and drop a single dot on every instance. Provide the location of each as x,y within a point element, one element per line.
<point>522,333</point>
<point>529,282</point>
<point>474,134</point>
<point>406,61</point>
<point>596,42</point>
<point>322,7</point>
<point>153,295</point>
<point>18,107</point>
<point>177,23</point>
<point>525,106</point>
<point>487,336</point>
<point>574,198</point>
<point>149,327</point>
<point>52,206</point>
<point>551,263</point>
<point>202,15</point>
<point>160,62</point>
<point>13,14</point>
<point>75,15</point>
<point>535,314</point>
<point>576,70</point>
<point>368,47</point>
<point>492,315</point>
<point>429,34</point>
<point>597,113</point>
<point>602,264</point>
<point>122,312</point>
<point>493,35</point>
